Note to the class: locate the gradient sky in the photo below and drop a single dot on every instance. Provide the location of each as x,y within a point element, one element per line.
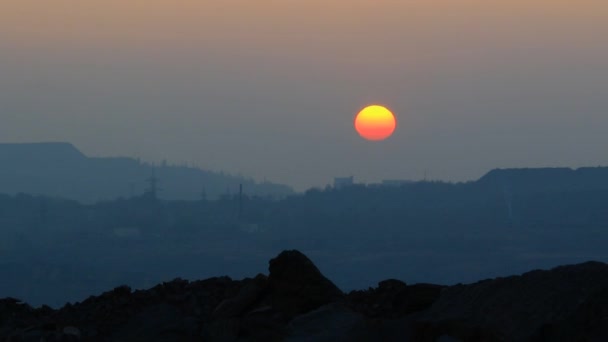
<point>270,89</point>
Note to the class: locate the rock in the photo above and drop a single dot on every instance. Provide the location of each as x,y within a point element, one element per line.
<point>72,331</point>
<point>588,323</point>
<point>518,307</point>
<point>386,330</point>
<point>226,322</point>
<point>296,302</point>
<point>48,333</point>
<point>448,338</point>
<point>264,324</point>
<point>15,315</point>
<point>453,330</point>
<point>152,323</point>
<point>224,330</point>
<point>297,286</point>
<point>122,290</point>
<point>393,298</point>
<point>391,285</point>
<point>422,296</point>
<point>248,295</point>
<point>332,322</point>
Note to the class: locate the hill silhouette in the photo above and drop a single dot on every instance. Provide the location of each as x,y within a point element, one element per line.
<point>547,179</point>
<point>61,170</point>
<point>296,302</point>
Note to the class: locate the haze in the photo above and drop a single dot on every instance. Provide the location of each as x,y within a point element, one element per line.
<point>269,89</point>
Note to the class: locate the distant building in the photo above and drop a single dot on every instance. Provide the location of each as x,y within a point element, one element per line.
<point>341,182</point>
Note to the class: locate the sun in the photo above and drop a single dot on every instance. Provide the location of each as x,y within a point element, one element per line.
<point>375,123</point>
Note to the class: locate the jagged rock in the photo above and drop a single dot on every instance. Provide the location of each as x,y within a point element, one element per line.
<point>171,311</point>
<point>297,285</point>
<point>294,286</point>
<point>391,285</point>
<point>16,315</point>
<point>517,307</point>
<point>226,321</point>
<point>248,295</point>
<point>393,298</point>
<point>296,302</point>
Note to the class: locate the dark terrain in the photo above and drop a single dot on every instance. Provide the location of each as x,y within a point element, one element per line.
<point>295,302</point>
<point>57,246</point>
<point>57,249</point>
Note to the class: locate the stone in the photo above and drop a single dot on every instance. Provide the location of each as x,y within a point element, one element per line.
<point>297,286</point>
<point>72,331</point>
<point>296,302</point>
<point>393,298</point>
<point>331,322</point>
<point>248,295</point>
<point>223,330</point>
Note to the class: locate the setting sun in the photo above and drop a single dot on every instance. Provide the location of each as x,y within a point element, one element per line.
<point>375,123</point>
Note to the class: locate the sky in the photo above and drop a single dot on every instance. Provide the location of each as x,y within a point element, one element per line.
<point>269,89</point>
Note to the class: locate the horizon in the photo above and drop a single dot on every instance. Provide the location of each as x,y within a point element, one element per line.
<point>270,90</point>
<point>330,182</point>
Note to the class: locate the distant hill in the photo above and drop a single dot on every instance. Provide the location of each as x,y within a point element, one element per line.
<point>547,179</point>
<point>61,170</point>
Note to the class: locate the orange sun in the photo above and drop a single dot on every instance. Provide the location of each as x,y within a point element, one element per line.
<point>375,123</point>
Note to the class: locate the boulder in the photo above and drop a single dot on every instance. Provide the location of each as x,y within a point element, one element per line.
<point>331,322</point>
<point>297,286</point>
<point>246,297</point>
<point>393,298</point>
<point>263,324</point>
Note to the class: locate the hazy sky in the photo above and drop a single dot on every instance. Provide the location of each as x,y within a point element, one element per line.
<point>270,88</point>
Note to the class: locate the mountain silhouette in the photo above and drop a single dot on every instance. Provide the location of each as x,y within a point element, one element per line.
<point>59,169</point>
<point>547,179</point>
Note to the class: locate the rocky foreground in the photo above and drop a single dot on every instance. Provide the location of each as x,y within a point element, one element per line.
<point>295,302</point>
